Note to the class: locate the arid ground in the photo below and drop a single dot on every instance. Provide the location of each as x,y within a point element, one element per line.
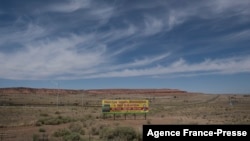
<point>76,115</point>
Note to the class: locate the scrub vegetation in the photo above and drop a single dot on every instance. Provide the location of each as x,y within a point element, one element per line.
<point>78,117</point>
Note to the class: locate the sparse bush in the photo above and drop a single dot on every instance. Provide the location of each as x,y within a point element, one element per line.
<point>139,136</point>
<point>54,121</point>
<point>68,136</point>
<point>119,133</point>
<point>42,130</point>
<point>74,127</point>
<point>88,117</point>
<point>39,123</point>
<point>118,116</point>
<point>72,137</point>
<point>94,131</point>
<point>107,133</point>
<point>102,126</point>
<point>44,114</point>
<point>84,124</point>
<point>35,137</point>
<point>82,132</point>
<point>61,133</point>
<point>148,121</point>
<point>116,123</point>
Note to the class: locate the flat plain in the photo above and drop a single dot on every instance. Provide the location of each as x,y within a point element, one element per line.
<point>78,116</point>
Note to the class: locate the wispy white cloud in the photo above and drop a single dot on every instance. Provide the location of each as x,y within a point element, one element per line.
<point>92,9</point>
<point>69,6</point>
<point>70,54</point>
<point>88,66</point>
<point>182,67</point>
<point>41,60</point>
<point>105,12</point>
<point>152,26</point>
<point>237,36</point>
<point>29,33</point>
<point>124,49</point>
<point>240,7</point>
<point>206,10</point>
<point>140,62</point>
<point>117,34</point>
<point>177,17</point>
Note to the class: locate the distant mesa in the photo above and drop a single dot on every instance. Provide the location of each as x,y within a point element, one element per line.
<point>136,91</point>
<point>25,90</point>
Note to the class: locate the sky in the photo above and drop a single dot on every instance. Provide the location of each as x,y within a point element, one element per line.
<point>194,45</point>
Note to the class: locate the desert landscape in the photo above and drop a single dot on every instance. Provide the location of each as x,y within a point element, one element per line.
<point>29,114</point>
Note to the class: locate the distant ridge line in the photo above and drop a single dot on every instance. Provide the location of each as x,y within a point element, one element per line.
<point>27,90</point>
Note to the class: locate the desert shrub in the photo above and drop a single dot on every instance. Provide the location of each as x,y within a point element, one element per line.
<point>35,137</point>
<point>42,130</point>
<point>44,114</point>
<point>88,117</point>
<point>139,136</point>
<point>66,135</point>
<point>84,124</point>
<point>94,131</point>
<point>106,133</point>
<point>61,133</point>
<point>148,121</point>
<point>53,120</point>
<point>119,133</point>
<point>82,132</point>
<point>39,123</point>
<point>72,137</point>
<point>118,115</point>
<point>116,123</point>
<point>74,127</point>
<point>102,126</point>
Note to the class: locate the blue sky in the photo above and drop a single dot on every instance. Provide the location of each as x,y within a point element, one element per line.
<point>194,45</point>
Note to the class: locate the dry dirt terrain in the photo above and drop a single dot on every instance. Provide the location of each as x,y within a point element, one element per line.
<point>56,115</point>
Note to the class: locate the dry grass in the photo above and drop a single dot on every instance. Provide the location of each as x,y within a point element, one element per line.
<point>21,113</point>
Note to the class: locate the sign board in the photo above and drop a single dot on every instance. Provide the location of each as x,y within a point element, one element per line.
<point>125,106</point>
